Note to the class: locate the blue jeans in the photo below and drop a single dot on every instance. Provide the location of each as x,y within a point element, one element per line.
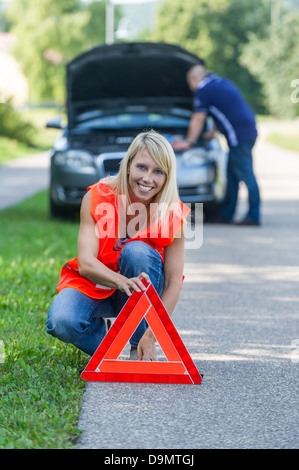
<point>78,319</point>
<point>240,168</point>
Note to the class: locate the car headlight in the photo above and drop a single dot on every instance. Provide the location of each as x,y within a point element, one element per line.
<point>74,159</point>
<point>195,157</point>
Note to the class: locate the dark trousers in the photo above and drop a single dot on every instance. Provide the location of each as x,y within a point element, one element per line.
<point>240,168</point>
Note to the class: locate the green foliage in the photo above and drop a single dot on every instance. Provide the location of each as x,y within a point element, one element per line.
<point>11,149</point>
<point>34,119</point>
<point>216,31</point>
<point>49,35</point>
<point>39,116</point>
<point>238,41</point>
<point>40,387</point>
<point>286,141</point>
<point>13,126</point>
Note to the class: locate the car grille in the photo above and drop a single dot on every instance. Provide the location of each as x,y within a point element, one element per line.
<point>188,191</point>
<point>114,148</point>
<point>74,192</point>
<point>112,165</point>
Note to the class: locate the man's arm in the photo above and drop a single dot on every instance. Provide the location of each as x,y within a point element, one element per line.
<point>211,133</point>
<point>196,125</point>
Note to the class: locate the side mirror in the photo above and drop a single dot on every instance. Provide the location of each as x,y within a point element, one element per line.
<point>55,123</point>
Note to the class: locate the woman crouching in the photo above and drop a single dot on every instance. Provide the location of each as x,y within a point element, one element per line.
<point>131,227</point>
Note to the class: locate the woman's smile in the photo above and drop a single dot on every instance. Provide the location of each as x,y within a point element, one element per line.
<point>144,188</point>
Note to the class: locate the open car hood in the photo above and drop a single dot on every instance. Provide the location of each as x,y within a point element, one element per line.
<point>128,76</point>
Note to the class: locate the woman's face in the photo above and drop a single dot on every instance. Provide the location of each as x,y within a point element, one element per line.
<point>145,178</point>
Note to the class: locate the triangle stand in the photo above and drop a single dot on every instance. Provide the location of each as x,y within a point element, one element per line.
<point>104,365</point>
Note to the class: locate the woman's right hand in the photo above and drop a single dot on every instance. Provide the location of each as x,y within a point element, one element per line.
<point>129,285</point>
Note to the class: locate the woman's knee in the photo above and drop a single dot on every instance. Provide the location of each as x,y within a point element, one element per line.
<point>59,323</point>
<point>63,317</point>
<point>138,256</point>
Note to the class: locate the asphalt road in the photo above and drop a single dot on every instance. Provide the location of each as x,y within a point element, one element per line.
<point>23,177</point>
<point>237,316</point>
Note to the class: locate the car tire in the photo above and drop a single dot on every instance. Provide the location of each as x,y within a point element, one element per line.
<point>211,211</point>
<point>59,212</point>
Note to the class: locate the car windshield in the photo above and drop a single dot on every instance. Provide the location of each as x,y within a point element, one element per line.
<point>133,120</point>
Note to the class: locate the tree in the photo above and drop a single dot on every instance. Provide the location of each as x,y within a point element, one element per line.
<point>4,25</point>
<point>216,31</point>
<point>14,127</point>
<point>49,34</point>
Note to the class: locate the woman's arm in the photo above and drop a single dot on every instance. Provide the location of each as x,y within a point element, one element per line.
<point>174,257</point>
<point>173,272</point>
<point>90,266</point>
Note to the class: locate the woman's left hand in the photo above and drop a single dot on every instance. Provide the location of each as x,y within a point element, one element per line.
<point>146,350</point>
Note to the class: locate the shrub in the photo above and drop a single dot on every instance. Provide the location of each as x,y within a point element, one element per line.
<point>14,127</point>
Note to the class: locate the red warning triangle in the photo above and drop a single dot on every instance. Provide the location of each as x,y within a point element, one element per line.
<point>104,365</point>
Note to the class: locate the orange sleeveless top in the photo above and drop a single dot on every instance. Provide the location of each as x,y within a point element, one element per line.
<point>105,210</point>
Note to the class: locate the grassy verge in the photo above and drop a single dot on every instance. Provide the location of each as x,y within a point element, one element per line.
<point>44,138</point>
<point>286,141</point>
<point>40,386</point>
<point>39,117</point>
<point>11,149</point>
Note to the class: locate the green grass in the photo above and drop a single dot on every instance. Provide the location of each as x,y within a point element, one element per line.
<point>286,141</point>
<point>40,385</point>
<point>11,149</point>
<point>39,117</point>
<point>44,138</point>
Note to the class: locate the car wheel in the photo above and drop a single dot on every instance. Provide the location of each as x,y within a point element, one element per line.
<point>211,211</point>
<point>58,212</point>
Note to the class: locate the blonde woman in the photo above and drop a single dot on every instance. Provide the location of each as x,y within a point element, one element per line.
<point>130,228</point>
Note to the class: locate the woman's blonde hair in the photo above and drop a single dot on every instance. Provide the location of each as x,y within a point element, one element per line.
<point>163,155</point>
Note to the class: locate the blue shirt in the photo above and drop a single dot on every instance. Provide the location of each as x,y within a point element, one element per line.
<point>221,99</point>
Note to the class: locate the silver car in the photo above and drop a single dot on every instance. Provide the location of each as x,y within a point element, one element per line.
<point>113,93</point>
